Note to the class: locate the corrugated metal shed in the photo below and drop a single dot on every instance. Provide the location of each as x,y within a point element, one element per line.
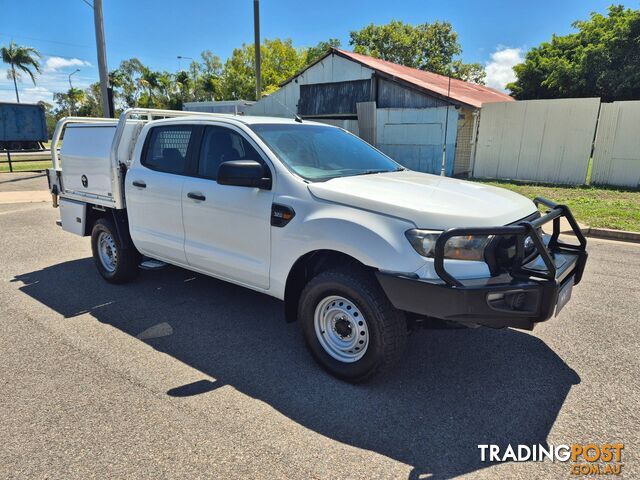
<point>393,95</point>
<point>335,98</point>
<point>463,92</point>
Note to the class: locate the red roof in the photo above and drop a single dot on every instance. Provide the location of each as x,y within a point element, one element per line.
<point>461,91</point>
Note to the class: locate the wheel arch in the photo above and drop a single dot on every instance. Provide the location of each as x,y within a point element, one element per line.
<point>308,266</point>
<point>119,219</point>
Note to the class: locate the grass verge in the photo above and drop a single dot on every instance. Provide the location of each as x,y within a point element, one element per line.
<point>33,163</point>
<point>595,206</point>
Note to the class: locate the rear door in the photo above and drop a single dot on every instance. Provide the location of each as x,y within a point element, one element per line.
<point>154,192</point>
<point>227,228</point>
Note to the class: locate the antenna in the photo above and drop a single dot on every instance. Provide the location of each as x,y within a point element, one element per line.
<point>443,172</point>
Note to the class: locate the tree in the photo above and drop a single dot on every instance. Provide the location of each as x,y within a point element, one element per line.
<point>25,59</point>
<point>91,105</point>
<point>68,101</point>
<point>49,116</point>
<point>602,59</point>
<point>427,46</point>
<point>314,53</point>
<point>280,60</point>
<point>126,80</point>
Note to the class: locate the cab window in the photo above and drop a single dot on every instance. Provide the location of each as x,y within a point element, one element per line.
<point>220,145</point>
<point>167,148</point>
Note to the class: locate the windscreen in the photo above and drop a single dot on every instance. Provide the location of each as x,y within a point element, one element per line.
<point>318,153</point>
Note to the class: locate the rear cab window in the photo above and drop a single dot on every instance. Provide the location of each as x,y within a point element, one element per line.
<point>167,148</point>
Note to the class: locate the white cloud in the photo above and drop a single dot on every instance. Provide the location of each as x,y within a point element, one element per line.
<point>27,95</point>
<point>46,84</point>
<point>58,63</point>
<point>500,68</point>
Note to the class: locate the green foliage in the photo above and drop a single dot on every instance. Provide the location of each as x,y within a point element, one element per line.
<point>426,46</point>
<point>20,60</point>
<point>314,53</point>
<point>280,60</point>
<point>70,101</point>
<point>602,59</point>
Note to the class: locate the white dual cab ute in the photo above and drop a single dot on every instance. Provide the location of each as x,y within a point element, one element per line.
<point>358,247</point>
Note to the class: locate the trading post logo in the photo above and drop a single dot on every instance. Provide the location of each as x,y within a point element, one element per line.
<point>587,459</point>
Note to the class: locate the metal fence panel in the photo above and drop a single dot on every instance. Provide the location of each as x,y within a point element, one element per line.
<point>536,140</point>
<point>414,136</point>
<point>616,157</point>
<point>367,121</point>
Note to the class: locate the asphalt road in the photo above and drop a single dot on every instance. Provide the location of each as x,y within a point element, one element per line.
<point>181,376</point>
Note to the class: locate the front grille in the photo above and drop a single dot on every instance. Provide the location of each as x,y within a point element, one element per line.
<point>501,251</point>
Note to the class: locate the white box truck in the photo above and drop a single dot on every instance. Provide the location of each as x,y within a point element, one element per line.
<point>357,246</point>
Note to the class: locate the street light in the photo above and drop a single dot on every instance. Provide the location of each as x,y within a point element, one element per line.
<point>72,73</point>
<point>181,57</point>
<point>72,106</point>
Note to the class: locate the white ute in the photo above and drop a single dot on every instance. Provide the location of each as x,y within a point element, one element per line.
<point>358,247</point>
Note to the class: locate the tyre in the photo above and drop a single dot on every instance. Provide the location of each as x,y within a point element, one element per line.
<point>115,263</point>
<point>349,325</point>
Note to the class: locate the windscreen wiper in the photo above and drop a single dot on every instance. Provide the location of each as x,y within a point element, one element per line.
<point>381,170</point>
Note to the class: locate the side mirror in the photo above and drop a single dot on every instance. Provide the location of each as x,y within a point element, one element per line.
<point>244,173</point>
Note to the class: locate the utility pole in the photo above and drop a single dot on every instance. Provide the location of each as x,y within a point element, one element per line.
<point>107,99</point>
<point>256,32</point>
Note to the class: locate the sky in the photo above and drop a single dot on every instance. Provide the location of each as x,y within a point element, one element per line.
<point>495,33</point>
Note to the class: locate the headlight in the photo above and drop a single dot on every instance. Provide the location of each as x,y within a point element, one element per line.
<point>470,247</point>
<point>423,241</point>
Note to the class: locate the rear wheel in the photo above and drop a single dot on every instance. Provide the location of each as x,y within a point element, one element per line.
<point>115,263</point>
<point>350,326</point>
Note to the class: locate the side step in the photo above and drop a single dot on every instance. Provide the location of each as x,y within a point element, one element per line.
<point>151,264</point>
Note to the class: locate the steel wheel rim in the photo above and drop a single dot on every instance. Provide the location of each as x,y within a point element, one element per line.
<point>107,252</point>
<point>341,329</point>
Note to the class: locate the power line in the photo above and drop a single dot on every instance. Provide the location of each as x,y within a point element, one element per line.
<point>42,40</point>
<point>88,3</point>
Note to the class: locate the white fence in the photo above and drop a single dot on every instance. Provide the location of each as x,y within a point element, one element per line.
<point>536,140</point>
<point>616,156</point>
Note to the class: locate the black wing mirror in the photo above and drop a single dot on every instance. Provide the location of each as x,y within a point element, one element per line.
<point>244,173</point>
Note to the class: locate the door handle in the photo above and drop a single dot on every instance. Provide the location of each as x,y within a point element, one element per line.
<point>196,196</point>
<point>139,183</point>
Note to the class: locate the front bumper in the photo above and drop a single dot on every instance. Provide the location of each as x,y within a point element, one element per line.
<point>519,298</point>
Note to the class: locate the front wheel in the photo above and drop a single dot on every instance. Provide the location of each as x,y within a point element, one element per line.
<point>350,326</point>
<point>115,263</point>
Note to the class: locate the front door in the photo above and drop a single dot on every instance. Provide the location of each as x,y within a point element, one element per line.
<point>227,228</point>
<point>154,193</point>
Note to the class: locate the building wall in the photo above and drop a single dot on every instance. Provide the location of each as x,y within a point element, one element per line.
<point>223,106</point>
<point>333,99</point>
<point>284,102</point>
<point>394,95</point>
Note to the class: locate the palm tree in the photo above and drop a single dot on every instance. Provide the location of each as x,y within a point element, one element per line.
<point>22,58</point>
<point>75,96</point>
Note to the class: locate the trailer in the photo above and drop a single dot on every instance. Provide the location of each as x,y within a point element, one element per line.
<point>23,126</point>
